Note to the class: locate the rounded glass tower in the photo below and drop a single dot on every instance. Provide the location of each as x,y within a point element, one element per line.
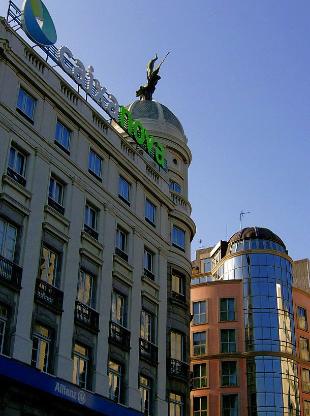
<point>260,259</point>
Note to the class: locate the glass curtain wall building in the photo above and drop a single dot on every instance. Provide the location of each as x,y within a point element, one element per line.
<point>257,260</point>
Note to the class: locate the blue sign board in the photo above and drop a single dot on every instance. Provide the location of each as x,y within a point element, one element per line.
<point>30,376</point>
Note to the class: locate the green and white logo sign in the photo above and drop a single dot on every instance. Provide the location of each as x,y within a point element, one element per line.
<point>37,23</point>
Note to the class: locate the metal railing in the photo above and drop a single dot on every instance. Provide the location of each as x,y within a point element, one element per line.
<point>49,295</point>
<point>177,368</point>
<point>119,336</point>
<point>10,273</point>
<point>86,316</point>
<point>148,351</point>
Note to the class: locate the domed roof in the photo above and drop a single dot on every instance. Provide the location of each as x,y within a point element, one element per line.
<point>159,117</point>
<point>255,232</point>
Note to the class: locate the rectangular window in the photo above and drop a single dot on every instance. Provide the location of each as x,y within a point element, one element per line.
<point>175,405</point>
<point>145,391</point>
<point>302,318</point>
<point>200,312</point>
<point>26,104</point>
<point>8,237</point>
<point>304,348</point>
<point>41,346</point>
<point>150,212</point>
<point>199,343</point>
<point>200,405</point>
<point>90,217</point>
<point>49,266</point>
<point>119,309</point>
<point>229,373</point>
<point>95,164</point>
<point>176,346</point>
<point>305,376</point>
<point>148,260</point>
<point>56,192</point>
<point>3,326</point>
<point>86,289</point>
<point>17,165</point>
<point>124,190</point>
<point>63,136</point>
<point>81,366</point>
<point>200,379</point>
<point>121,243</point>
<point>178,237</point>
<point>175,187</point>
<point>228,340</point>
<point>177,284</point>
<point>227,309</point>
<point>230,405</point>
<point>115,373</point>
<point>147,326</point>
<point>306,408</point>
<point>207,265</point>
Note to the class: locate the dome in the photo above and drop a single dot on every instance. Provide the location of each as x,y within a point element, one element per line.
<point>255,232</point>
<point>157,118</point>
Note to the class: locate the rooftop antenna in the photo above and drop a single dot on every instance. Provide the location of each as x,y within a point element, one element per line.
<point>242,214</point>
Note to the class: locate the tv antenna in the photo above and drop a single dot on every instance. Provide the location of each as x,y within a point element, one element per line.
<point>241,215</point>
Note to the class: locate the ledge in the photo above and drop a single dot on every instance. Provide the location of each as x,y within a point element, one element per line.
<point>86,236</point>
<point>59,217</point>
<point>91,256</point>
<point>9,181</point>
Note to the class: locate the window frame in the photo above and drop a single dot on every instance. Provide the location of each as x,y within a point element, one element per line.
<point>181,348</point>
<point>4,321</point>
<point>149,332</point>
<point>60,140</point>
<point>4,242</point>
<point>56,273</point>
<point>227,310</point>
<point>229,375</point>
<point>175,186</point>
<point>228,342</point>
<point>201,347</point>
<point>18,152</point>
<point>92,163</point>
<point>52,193</point>
<point>147,388</point>
<point>152,218</point>
<point>305,328</point>
<point>119,376</point>
<point>21,104</point>
<point>222,402</point>
<point>41,340</point>
<point>305,384</point>
<point>88,208</point>
<point>118,243</point>
<point>78,357</point>
<point>123,322</point>
<point>307,342</point>
<point>92,292</point>
<point>175,402</point>
<point>201,377</point>
<point>199,314</point>
<point>124,196</point>
<point>175,237</point>
<point>200,412</point>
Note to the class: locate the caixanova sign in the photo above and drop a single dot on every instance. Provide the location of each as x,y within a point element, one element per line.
<point>39,27</point>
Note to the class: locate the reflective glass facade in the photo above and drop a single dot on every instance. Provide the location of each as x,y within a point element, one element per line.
<point>268,324</point>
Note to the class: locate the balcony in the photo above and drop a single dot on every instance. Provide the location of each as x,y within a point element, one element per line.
<point>16,176</point>
<point>121,254</point>
<point>86,317</point>
<point>177,368</point>
<point>49,296</point>
<point>10,273</point>
<point>119,336</point>
<point>148,351</point>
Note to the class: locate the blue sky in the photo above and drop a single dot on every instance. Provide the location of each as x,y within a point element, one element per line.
<point>238,78</point>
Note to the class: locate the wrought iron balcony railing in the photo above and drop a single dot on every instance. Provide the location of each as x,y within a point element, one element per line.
<point>148,351</point>
<point>16,176</point>
<point>10,273</point>
<point>49,296</point>
<point>86,317</point>
<point>119,336</point>
<point>177,368</point>
<point>56,206</point>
